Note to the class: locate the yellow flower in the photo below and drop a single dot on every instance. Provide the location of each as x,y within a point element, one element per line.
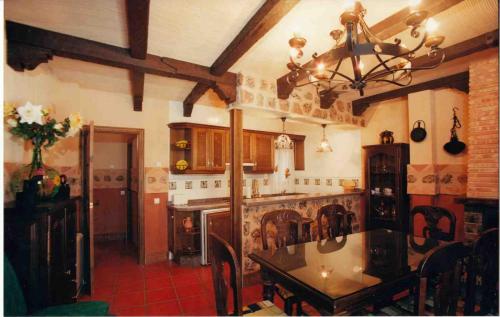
<point>57,180</point>
<point>75,121</point>
<point>8,109</point>
<point>47,110</point>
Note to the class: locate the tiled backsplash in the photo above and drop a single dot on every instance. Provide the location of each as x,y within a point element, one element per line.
<point>211,186</point>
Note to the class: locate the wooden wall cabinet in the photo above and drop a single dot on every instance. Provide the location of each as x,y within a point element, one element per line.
<point>41,245</point>
<point>385,178</point>
<point>208,149</point>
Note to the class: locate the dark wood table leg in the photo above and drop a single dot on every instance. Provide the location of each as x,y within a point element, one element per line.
<point>269,288</point>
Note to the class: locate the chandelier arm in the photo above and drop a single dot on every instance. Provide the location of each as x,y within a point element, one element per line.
<point>407,69</point>
<point>416,48</point>
<point>369,36</point>
<point>336,68</point>
<point>344,76</point>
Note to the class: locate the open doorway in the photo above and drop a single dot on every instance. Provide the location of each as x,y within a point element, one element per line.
<point>113,172</point>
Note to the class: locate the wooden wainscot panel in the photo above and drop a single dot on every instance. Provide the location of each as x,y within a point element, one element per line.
<point>155,227</point>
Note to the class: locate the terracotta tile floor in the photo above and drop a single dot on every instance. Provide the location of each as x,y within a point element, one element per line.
<point>157,289</point>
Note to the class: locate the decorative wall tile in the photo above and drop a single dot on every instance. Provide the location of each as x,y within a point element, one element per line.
<point>156,180</point>
<point>218,183</point>
<point>189,185</point>
<point>317,181</point>
<point>328,182</point>
<point>306,181</point>
<point>266,181</point>
<point>110,178</point>
<point>172,185</point>
<point>203,184</point>
<point>422,179</point>
<point>297,181</point>
<point>429,179</point>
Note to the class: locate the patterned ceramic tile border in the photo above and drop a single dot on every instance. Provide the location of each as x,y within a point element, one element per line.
<point>253,215</point>
<point>110,178</point>
<point>72,172</point>
<point>429,179</point>
<point>156,180</point>
<point>304,101</point>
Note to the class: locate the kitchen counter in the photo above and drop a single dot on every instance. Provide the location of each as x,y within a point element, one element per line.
<point>214,203</point>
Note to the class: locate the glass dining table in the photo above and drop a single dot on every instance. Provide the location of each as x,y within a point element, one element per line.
<point>348,272</point>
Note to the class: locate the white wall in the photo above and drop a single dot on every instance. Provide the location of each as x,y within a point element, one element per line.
<point>110,155</point>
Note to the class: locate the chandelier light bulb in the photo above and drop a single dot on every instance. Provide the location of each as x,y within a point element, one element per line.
<point>294,52</point>
<point>361,65</point>
<point>414,3</point>
<point>348,5</point>
<point>431,25</point>
<point>320,68</point>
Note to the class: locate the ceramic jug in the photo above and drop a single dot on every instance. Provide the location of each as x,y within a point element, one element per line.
<point>187,223</point>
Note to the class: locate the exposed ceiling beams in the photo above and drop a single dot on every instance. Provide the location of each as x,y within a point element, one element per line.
<point>261,22</point>
<point>138,21</point>
<point>43,44</point>
<point>385,29</point>
<point>461,49</point>
<point>458,81</point>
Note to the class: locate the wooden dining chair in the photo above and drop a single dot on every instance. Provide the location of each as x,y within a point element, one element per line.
<point>287,230</point>
<point>438,284</point>
<point>432,216</point>
<point>339,221</point>
<point>484,267</point>
<point>223,256</point>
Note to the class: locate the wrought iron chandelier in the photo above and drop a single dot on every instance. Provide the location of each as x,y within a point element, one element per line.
<point>393,60</point>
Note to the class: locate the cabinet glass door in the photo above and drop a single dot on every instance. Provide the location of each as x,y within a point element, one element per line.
<point>383,186</point>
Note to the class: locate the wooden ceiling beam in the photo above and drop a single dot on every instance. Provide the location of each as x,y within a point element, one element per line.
<point>476,44</point>
<point>458,81</point>
<point>268,15</point>
<point>53,43</point>
<point>385,29</point>
<point>138,22</point>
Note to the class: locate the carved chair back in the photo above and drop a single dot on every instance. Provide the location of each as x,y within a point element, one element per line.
<point>288,225</point>
<point>339,221</point>
<point>432,215</point>
<point>444,267</point>
<point>222,254</point>
<point>484,266</point>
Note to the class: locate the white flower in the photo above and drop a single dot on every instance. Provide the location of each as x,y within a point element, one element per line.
<point>30,113</point>
<point>12,122</point>
<point>58,126</point>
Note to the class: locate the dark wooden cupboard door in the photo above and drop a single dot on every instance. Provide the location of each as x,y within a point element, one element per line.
<point>385,178</point>
<point>248,139</point>
<point>200,148</point>
<point>217,159</point>
<point>264,153</point>
<point>220,224</point>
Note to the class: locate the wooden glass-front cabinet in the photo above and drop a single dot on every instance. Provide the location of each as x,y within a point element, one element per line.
<point>258,149</point>
<point>209,150</point>
<point>385,178</point>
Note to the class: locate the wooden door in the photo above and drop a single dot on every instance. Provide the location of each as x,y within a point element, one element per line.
<point>248,144</point>
<point>264,153</point>
<point>220,224</point>
<point>217,158</point>
<point>88,200</point>
<point>201,149</point>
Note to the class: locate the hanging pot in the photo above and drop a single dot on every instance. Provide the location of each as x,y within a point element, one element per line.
<point>418,133</point>
<point>455,146</point>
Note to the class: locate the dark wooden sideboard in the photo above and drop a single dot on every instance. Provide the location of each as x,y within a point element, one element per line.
<point>41,245</point>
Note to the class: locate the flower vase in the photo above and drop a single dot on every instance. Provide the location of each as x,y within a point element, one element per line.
<point>46,178</point>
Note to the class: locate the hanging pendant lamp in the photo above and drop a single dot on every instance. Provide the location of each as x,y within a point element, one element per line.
<point>283,141</point>
<point>324,145</point>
